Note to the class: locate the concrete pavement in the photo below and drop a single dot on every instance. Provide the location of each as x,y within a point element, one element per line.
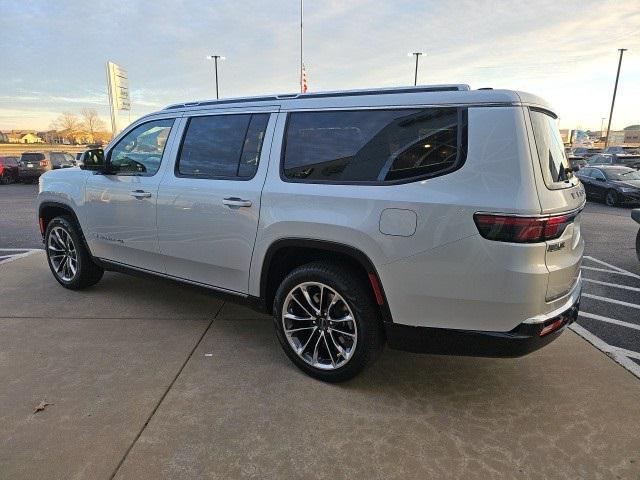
<point>222,401</point>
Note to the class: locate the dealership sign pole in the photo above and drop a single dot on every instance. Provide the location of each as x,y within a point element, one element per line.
<point>118,84</point>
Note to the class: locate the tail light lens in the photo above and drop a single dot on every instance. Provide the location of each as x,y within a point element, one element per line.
<point>509,228</point>
<point>43,163</point>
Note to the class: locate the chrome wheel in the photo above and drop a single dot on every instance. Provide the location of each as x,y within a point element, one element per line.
<point>319,325</point>
<point>62,254</point>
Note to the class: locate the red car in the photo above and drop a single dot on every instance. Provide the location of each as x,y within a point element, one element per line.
<point>9,169</point>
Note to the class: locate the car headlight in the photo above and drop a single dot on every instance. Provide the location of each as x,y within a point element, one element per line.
<point>628,189</point>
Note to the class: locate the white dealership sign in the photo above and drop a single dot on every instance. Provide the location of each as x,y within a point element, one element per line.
<point>118,82</point>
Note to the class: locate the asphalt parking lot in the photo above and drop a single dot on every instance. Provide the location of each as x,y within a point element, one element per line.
<point>146,379</point>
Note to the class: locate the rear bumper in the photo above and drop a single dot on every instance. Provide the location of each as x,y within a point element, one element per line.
<point>30,173</point>
<point>523,339</point>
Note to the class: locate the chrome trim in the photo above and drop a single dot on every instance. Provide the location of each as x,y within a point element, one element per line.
<point>572,297</point>
<point>575,211</point>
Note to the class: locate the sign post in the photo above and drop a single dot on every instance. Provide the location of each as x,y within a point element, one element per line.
<point>118,84</point>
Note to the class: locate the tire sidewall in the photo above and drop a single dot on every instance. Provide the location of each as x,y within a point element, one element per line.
<point>359,301</point>
<point>614,197</point>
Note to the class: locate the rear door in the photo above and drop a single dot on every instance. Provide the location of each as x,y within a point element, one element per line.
<point>560,193</point>
<point>209,203</point>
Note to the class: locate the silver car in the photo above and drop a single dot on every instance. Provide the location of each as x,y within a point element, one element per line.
<point>433,219</point>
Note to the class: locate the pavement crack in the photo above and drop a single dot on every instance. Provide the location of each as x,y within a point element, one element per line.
<point>169,387</point>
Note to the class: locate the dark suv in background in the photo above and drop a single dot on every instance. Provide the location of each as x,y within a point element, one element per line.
<point>615,184</point>
<point>34,164</point>
<point>9,169</point>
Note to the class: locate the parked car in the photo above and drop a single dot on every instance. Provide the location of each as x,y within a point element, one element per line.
<point>34,164</point>
<point>615,184</point>
<point>417,216</point>
<point>626,159</point>
<point>635,215</point>
<point>8,170</point>
<point>576,163</point>
<point>585,152</point>
<point>78,160</point>
<point>615,149</point>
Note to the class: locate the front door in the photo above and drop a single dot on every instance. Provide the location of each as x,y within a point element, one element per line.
<point>120,207</point>
<point>209,204</point>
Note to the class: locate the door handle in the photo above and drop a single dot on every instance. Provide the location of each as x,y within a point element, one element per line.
<point>236,202</point>
<point>140,194</point>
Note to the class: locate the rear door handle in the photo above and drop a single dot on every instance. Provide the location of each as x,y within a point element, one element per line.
<point>140,194</point>
<point>236,202</point>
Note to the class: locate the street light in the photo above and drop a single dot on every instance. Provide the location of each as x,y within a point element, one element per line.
<point>613,100</point>
<point>602,119</point>
<point>415,77</point>
<point>215,60</point>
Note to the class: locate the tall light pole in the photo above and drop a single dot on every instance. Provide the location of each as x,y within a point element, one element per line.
<point>415,77</point>
<point>602,119</point>
<point>215,60</point>
<point>613,100</point>
<point>301,51</point>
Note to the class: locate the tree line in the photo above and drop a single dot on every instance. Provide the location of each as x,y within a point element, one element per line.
<point>87,127</point>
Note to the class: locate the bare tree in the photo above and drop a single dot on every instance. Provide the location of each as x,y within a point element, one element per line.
<point>67,125</point>
<point>91,122</point>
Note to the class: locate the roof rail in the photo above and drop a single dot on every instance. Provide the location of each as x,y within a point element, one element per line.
<point>343,93</point>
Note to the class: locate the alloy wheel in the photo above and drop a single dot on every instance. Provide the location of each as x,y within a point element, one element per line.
<point>62,254</point>
<point>319,325</point>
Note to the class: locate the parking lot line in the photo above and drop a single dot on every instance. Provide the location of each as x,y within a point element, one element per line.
<point>617,354</point>
<point>601,318</point>
<point>606,270</point>
<point>617,269</point>
<point>610,300</point>
<point>607,284</point>
<point>12,257</point>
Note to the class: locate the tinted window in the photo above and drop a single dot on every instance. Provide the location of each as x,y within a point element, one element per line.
<point>32,157</point>
<point>597,174</point>
<point>374,145</point>
<point>623,174</point>
<point>585,172</point>
<point>222,146</point>
<point>140,151</point>
<point>555,167</point>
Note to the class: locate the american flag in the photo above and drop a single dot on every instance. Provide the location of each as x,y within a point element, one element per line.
<point>304,79</point>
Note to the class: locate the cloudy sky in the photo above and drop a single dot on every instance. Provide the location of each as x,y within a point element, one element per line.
<point>53,54</point>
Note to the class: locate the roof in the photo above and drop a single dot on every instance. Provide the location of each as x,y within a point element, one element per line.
<point>422,94</point>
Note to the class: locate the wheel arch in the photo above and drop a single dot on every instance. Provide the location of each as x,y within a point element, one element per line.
<point>49,210</point>
<point>285,254</point>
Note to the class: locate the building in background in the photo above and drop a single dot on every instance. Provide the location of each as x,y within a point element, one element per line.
<point>632,134</point>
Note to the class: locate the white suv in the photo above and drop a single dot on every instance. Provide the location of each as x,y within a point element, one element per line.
<point>436,219</point>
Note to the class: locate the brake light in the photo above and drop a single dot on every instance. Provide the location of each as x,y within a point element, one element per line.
<point>509,228</point>
<point>552,327</point>
<point>43,163</point>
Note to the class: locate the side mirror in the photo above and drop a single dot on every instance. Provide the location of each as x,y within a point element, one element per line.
<point>93,160</point>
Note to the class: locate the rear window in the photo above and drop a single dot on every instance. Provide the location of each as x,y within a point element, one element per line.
<point>374,146</point>
<point>32,157</point>
<point>553,160</point>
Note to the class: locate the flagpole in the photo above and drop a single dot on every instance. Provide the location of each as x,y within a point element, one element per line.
<point>301,39</point>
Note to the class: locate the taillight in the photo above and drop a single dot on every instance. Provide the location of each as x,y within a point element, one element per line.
<point>43,163</point>
<point>509,228</point>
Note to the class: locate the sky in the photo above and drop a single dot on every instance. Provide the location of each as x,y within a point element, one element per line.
<point>53,54</point>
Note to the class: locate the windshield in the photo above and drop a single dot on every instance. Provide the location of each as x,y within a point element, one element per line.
<point>623,174</point>
<point>553,160</point>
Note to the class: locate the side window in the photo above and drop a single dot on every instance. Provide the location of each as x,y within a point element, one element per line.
<point>586,172</point>
<point>553,160</point>
<point>598,175</point>
<point>140,151</point>
<point>374,146</point>
<point>222,146</point>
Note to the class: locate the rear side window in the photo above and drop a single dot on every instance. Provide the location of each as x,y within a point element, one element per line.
<point>222,146</point>
<point>374,146</point>
<point>553,160</point>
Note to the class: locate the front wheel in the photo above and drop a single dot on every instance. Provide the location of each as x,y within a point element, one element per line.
<point>68,257</point>
<point>327,322</point>
<point>611,198</point>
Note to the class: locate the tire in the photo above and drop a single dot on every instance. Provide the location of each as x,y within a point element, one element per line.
<point>344,347</point>
<point>66,251</point>
<point>611,198</point>
<point>4,180</point>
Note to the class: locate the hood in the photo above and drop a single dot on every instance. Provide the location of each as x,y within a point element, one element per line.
<point>628,183</point>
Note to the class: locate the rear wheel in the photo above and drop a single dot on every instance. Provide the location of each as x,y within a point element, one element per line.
<point>327,322</point>
<point>611,198</point>
<point>68,257</point>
